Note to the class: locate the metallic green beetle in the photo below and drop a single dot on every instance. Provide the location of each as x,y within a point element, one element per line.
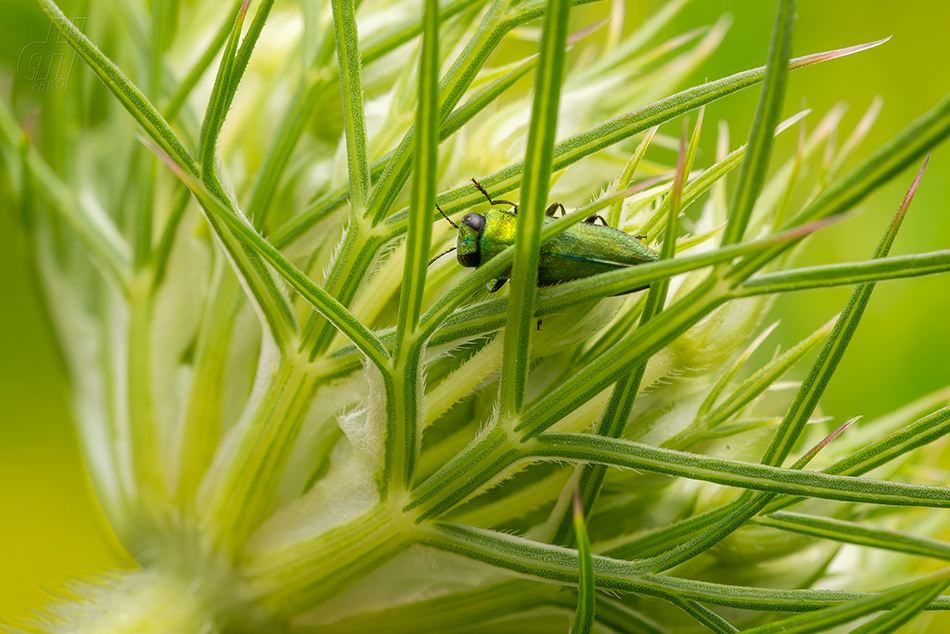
<point>583,250</point>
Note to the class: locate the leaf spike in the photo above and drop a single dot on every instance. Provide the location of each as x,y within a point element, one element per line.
<point>804,460</point>
<point>909,196</point>
<point>580,34</point>
<point>816,58</point>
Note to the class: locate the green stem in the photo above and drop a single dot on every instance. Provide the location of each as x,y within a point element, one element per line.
<point>300,576</point>
<point>142,423</point>
<point>239,498</point>
<point>201,429</point>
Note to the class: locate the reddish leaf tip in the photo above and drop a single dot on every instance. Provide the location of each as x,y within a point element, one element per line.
<point>30,123</point>
<point>808,60</point>
<point>909,196</point>
<point>580,34</point>
<point>827,439</point>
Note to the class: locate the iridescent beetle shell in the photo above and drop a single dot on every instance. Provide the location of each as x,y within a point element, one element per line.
<point>582,250</point>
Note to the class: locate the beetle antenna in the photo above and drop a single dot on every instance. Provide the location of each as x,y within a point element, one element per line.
<point>441,254</point>
<point>492,201</point>
<point>447,218</point>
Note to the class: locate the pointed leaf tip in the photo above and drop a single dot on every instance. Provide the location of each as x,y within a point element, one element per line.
<point>30,123</point>
<point>578,506</point>
<point>909,196</point>
<point>816,58</point>
<point>804,460</point>
<point>580,34</point>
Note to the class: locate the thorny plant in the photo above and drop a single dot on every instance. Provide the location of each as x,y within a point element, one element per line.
<point>391,448</point>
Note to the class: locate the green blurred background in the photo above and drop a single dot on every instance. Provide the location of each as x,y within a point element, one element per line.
<point>50,526</point>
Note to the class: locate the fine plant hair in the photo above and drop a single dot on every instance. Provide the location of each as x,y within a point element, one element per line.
<point>295,419</point>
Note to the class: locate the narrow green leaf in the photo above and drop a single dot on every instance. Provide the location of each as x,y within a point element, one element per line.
<point>164,250</point>
<point>98,234</point>
<point>561,564</point>
<point>830,617</point>
<point>736,514</point>
<point>403,435</point>
<point>624,394</point>
<point>143,169</point>
<point>454,84</point>
<point>303,102</point>
<point>848,273</point>
<point>180,96</point>
<point>336,314</point>
<point>912,606</point>
<point>634,349</point>
<point>833,350</point>
<point>887,161</point>
<point>712,176</point>
<point>243,56</point>
<point>920,433</point>
<point>726,377</point>
<point>157,47</point>
<point>571,150</point>
<point>767,114</point>
<point>483,98</point>
<point>764,377</point>
<point>759,477</point>
<point>615,614</point>
<point>392,38</point>
<point>739,511</point>
<point>348,58</point>
<point>854,533</point>
<point>335,199</point>
<point>782,211</point>
<point>626,177</point>
<point>856,137</point>
<point>534,194</point>
<point>584,615</point>
<point>704,616</point>
<point>668,217</point>
<point>217,108</point>
<point>118,84</point>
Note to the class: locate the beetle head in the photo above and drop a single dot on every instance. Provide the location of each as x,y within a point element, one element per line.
<point>469,249</point>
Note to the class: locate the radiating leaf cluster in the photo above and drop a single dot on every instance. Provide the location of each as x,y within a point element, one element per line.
<point>286,408</point>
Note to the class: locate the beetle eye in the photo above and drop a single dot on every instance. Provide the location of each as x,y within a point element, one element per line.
<point>474,221</point>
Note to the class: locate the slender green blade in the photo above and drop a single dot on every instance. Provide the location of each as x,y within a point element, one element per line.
<point>854,533</point>
<point>767,115</point>
<point>584,615</point>
<point>115,80</point>
<point>348,58</point>
<point>327,306</point>
<point>534,194</point>
<point>403,437</point>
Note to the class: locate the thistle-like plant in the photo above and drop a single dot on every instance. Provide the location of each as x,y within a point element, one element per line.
<point>294,422</point>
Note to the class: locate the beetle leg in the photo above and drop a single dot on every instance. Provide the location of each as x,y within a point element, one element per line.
<point>539,325</point>
<point>495,286</point>
<point>640,236</point>
<point>593,220</point>
<point>552,208</point>
<point>492,201</point>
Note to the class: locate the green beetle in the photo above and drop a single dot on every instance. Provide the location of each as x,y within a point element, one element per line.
<point>583,250</point>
